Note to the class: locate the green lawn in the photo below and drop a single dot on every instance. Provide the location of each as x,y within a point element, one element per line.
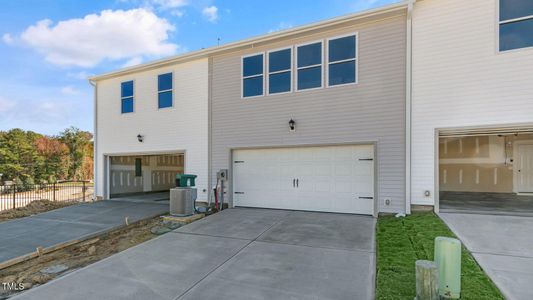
<point>402,241</point>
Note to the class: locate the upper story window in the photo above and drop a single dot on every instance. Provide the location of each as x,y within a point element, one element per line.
<point>252,75</point>
<point>342,60</point>
<point>516,24</point>
<point>279,71</point>
<point>309,66</point>
<point>164,90</point>
<point>126,96</point>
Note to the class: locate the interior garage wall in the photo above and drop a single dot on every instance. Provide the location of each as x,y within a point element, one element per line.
<point>371,111</point>
<point>461,80</point>
<point>478,163</point>
<point>158,173</point>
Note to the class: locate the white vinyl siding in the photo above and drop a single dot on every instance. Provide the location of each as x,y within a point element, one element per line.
<point>460,79</point>
<point>163,130</point>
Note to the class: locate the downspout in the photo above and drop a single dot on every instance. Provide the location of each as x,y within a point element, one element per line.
<point>408,105</point>
<point>95,157</point>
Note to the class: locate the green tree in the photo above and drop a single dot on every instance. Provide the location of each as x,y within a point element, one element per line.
<point>79,144</point>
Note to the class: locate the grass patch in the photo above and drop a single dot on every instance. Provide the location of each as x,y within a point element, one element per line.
<point>402,241</point>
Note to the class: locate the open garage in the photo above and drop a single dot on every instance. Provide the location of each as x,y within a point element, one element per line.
<point>140,174</point>
<point>486,170</point>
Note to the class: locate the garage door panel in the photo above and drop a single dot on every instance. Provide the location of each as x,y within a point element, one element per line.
<point>328,178</point>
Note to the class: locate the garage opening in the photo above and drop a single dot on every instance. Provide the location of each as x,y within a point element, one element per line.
<point>486,171</point>
<point>149,176</point>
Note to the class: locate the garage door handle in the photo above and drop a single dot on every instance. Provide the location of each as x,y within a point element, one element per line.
<point>294,183</point>
<point>297,180</point>
<point>366,197</point>
<point>369,159</point>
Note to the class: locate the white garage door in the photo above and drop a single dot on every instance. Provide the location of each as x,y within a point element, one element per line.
<point>330,179</point>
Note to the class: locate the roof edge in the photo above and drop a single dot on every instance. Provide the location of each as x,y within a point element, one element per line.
<point>204,53</point>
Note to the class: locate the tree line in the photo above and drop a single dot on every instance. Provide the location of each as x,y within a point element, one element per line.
<point>28,158</point>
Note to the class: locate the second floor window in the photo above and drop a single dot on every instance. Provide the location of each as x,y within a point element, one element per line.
<point>164,90</point>
<point>342,60</point>
<point>279,71</point>
<point>252,75</point>
<point>516,24</point>
<point>309,66</point>
<point>126,97</point>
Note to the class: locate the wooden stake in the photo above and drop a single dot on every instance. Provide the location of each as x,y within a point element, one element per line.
<point>427,282</point>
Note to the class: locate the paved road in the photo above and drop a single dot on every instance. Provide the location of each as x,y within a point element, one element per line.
<point>502,245</point>
<point>236,254</point>
<point>21,237</point>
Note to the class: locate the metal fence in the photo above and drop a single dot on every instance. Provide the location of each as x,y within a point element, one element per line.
<point>13,196</point>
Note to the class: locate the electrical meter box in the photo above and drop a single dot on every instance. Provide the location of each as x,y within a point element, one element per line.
<point>222,174</point>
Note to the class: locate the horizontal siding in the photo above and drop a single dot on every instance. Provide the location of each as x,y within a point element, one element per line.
<point>459,79</point>
<point>181,128</point>
<point>371,111</point>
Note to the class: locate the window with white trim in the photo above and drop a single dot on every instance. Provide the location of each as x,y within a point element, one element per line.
<point>309,66</point>
<point>164,90</point>
<point>252,75</point>
<point>126,97</point>
<point>342,60</point>
<point>279,71</point>
<point>516,24</point>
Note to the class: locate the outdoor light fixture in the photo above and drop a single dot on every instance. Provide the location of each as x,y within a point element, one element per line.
<point>140,138</point>
<point>292,125</point>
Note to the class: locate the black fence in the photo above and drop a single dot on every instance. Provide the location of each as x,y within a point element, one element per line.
<point>13,196</point>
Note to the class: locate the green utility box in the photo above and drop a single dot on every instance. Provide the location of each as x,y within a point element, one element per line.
<point>448,260</point>
<point>185,180</point>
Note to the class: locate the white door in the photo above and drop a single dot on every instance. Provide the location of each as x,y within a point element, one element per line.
<point>525,168</point>
<point>330,179</point>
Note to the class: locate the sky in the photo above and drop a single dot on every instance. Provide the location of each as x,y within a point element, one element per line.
<point>49,48</point>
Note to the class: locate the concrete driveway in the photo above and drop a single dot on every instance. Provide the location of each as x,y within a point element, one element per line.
<point>502,245</point>
<point>240,253</point>
<point>21,237</point>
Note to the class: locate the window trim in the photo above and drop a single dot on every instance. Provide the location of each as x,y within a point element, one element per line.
<point>328,63</point>
<point>268,73</point>
<point>296,68</point>
<point>171,90</point>
<point>132,97</point>
<point>252,76</point>
<point>499,23</point>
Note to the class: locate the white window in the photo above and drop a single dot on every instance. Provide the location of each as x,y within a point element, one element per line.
<point>279,71</point>
<point>342,60</point>
<point>252,75</point>
<point>309,66</point>
<point>516,24</point>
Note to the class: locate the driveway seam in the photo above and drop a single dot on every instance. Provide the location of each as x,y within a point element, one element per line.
<point>210,235</point>
<point>223,263</point>
<point>317,247</point>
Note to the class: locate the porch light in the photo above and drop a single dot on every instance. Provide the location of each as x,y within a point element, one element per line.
<point>292,125</point>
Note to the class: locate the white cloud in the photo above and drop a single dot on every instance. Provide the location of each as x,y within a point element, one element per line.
<point>170,3</point>
<point>69,90</point>
<point>281,26</point>
<point>211,13</point>
<point>111,35</point>
<point>8,39</point>
<point>6,105</point>
<point>132,62</point>
<point>82,75</point>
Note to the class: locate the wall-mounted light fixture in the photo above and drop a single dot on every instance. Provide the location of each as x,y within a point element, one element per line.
<point>140,138</point>
<point>292,125</point>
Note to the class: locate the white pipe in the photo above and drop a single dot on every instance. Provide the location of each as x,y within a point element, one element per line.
<point>95,157</point>
<point>408,108</point>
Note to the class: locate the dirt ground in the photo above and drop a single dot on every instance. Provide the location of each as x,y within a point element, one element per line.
<point>76,256</point>
<point>33,208</point>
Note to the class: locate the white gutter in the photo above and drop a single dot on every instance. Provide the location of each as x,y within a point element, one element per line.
<point>251,42</point>
<point>95,129</point>
<point>408,104</point>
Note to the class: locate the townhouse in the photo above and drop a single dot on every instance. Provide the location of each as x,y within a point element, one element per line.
<point>371,112</point>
